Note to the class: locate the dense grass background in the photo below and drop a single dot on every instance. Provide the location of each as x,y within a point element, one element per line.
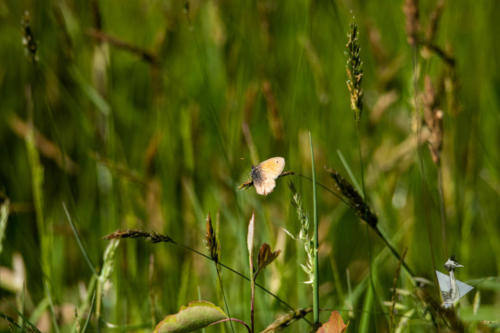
<point>159,142</point>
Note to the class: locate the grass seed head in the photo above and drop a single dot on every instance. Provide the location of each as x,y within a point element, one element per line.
<point>354,69</point>
<point>303,236</point>
<point>28,38</point>
<point>152,236</point>
<point>211,241</point>
<point>354,199</point>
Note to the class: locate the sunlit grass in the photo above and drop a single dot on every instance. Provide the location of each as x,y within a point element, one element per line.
<point>147,116</point>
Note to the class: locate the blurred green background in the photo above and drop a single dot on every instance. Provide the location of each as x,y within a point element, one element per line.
<point>162,107</point>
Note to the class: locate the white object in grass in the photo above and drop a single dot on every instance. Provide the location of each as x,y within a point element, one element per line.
<point>451,288</point>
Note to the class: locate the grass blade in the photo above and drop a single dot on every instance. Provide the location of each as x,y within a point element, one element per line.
<point>78,240</point>
<point>315,252</point>
<point>349,172</point>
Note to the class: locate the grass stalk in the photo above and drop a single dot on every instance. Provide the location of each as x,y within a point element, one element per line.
<point>252,305</point>
<point>367,305</point>
<point>442,208</point>
<point>231,320</point>
<point>361,164</point>
<point>157,238</point>
<point>226,304</point>
<point>89,316</point>
<point>418,116</point>
<point>315,239</point>
<point>48,292</point>
<point>79,241</point>
<point>213,245</point>
<point>44,227</point>
<point>350,173</point>
<point>88,304</point>
<point>250,243</point>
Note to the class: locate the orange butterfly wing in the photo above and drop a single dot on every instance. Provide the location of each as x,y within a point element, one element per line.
<point>269,170</point>
<point>272,167</point>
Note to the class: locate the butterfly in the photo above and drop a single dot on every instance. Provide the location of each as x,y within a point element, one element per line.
<point>265,173</point>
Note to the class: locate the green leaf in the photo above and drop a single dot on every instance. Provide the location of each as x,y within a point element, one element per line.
<point>195,315</point>
<point>484,313</point>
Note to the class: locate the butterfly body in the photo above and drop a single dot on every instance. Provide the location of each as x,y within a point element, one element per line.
<point>264,175</point>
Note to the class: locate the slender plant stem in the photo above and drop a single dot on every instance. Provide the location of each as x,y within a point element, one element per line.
<point>335,194</point>
<point>419,154</point>
<point>361,164</point>
<point>250,243</point>
<point>237,273</point>
<point>48,292</point>
<point>89,316</point>
<point>219,277</point>
<point>442,208</point>
<point>79,241</point>
<point>167,239</point>
<point>252,305</point>
<point>88,303</point>
<point>231,320</point>
<point>394,251</point>
<point>377,231</point>
<point>315,252</point>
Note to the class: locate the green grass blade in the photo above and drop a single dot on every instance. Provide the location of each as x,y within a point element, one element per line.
<point>349,172</point>
<point>315,252</point>
<point>364,326</point>
<point>89,316</point>
<point>78,240</point>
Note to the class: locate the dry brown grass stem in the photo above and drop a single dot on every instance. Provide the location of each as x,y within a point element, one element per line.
<point>46,147</point>
<point>120,169</point>
<point>144,54</point>
<point>272,111</point>
<point>445,56</point>
<point>435,16</point>
<point>413,30</point>
<point>412,25</point>
<point>285,320</point>
<point>433,117</point>
<point>249,140</point>
<point>388,157</point>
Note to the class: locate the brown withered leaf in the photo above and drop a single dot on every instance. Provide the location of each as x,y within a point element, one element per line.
<point>266,256</point>
<point>335,324</point>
